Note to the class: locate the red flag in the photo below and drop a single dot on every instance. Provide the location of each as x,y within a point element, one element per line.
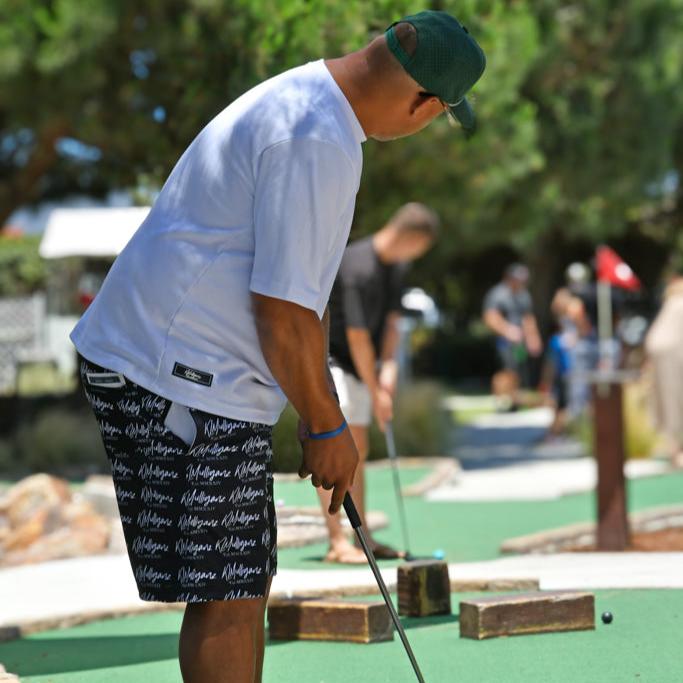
<point>610,268</point>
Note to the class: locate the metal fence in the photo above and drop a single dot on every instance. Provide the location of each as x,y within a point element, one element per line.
<point>22,336</point>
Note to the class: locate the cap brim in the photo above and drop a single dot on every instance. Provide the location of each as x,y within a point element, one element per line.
<point>464,113</point>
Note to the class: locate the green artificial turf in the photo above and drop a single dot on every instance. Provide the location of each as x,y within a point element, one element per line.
<point>642,644</point>
<point>468,531</point>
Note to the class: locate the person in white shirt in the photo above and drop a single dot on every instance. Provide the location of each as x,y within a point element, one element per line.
<point>214,315</point>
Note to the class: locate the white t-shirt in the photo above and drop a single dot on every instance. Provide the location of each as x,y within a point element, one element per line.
<point>261,201</point>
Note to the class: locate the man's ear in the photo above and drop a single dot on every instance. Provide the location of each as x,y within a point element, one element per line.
<point>423,100</point>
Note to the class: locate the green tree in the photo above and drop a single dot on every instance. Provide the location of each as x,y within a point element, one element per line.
<point>22,271</point>
<point>581,125</point>
<point>108,93</point>
<point>580,141</point>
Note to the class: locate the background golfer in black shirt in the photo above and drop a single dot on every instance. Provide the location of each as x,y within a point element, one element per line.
<point>364,310</point>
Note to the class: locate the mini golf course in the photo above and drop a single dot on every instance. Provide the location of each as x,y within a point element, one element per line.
<point>642,643</point>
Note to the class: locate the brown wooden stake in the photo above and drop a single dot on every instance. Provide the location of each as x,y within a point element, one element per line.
<point>357,622</point>
<point>524,613</point>
<point>613,532</point>
<point>424,589</point>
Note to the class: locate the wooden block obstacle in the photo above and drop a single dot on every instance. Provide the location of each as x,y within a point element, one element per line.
<point>424,589</point>
<point>524,613</point>
<point>356,622</point>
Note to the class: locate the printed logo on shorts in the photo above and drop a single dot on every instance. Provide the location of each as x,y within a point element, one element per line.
<point>188,549</point>
<point>146,575</point>
<point>196,499</point>
<point>236,594</point>
<point>235,545</point>
<point>250,470</point>
<point>194,524</point>
<point>151,521</point>
<point>245,495</point>
<point>238,572</point>
<point>190,576</point>
<point>192,374</point>
<point>155,498</point>
<point>148,547</point>
<point>239,519</point>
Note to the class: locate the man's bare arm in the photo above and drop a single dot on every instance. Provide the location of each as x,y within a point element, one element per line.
<point>365,361</point>
<point>293,342</point>
<point>326,331</point>
<point>363,356</point>
<point>531,334</point>
<point>388,373</point>
<point>496,322</point>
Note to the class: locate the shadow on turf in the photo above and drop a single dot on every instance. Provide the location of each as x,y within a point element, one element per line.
<point>420,622</point>
<point>408,624</point>
<point>37,656</point>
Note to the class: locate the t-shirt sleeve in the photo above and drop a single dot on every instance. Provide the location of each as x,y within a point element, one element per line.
<point>350,293</point>
<point>494,300</point>
<point>303,187</point>
<point>525,303</point>
<point>352,300</point>
<point>396,285</point>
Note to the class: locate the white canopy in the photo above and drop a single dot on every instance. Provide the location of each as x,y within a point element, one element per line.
<point>90,232</point>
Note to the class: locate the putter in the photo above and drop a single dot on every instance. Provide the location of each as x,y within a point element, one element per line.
<point>355,520</point>
<point>393,458</point>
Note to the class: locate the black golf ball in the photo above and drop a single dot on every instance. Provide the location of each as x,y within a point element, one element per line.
<point>607,617</point>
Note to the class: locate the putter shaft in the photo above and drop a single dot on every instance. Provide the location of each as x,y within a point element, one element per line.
<point>393,458</point>
<point>354,518</point>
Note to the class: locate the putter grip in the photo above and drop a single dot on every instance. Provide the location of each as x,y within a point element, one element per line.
<point>351,511</point>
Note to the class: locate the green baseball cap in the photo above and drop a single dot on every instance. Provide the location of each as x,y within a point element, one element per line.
<point>447,61</point>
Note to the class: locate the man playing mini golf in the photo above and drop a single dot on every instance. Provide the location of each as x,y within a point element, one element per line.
<point>364,306</point>
<point>214,315</point>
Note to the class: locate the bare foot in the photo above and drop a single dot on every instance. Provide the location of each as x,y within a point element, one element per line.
<point>385,552</point>
<point>677,460</point>
<point>345,554</point>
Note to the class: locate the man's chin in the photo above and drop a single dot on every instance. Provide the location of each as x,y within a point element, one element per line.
<point>382,138</point>
<point>386,137</point>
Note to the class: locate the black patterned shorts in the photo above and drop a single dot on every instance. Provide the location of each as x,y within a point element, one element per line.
<point>198,517</point>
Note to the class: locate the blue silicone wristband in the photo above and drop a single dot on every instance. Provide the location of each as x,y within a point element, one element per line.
<point>328,435</point>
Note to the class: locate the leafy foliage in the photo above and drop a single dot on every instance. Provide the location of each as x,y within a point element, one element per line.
<point>22,271</point>
<point>581,136</point>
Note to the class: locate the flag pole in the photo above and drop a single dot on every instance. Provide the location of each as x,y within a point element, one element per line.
<point>605,331</point>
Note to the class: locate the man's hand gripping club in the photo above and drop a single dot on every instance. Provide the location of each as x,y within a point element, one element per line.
<point>294,343</point>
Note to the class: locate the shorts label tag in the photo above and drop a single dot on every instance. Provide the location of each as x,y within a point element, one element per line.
<point>192,374</point>
<point>113,380</point>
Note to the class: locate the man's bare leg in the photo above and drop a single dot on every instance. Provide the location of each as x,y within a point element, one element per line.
<point>341,548</point>
<point>360,435</point>
<point>261,638</point>
<point>222,641</point>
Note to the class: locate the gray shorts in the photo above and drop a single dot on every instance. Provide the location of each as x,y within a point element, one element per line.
<point>354,397</point>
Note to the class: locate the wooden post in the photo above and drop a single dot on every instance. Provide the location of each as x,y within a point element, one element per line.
<point>613,532</point>
<point>510,615</point>
<point>423,589</point>
<point>356,622</point>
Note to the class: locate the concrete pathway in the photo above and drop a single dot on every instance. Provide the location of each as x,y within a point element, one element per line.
<point>496,440</point>
<point>569,571</point>
<point>504,456</point>
<point>535,480</point>
<point>72,591</point>
<point>103,586</point>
